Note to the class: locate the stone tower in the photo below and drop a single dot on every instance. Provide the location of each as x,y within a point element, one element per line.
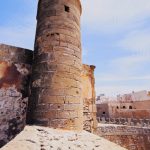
<point>56,82</point>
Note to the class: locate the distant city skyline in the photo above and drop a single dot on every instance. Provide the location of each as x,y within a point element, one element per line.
<point>115,38</point>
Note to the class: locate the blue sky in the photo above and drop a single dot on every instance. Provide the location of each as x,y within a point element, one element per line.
<point>115,38</point>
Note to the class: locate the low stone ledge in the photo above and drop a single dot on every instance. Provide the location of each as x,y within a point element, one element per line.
<point>42,138</point>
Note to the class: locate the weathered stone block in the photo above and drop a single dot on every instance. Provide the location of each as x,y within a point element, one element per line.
<point>15,70</point>
<point>57,68</point>
<point>88,95</point>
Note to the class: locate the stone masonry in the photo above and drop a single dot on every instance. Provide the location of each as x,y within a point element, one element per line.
<point>88,96</point>
<point>56,81</point>
<point>130,137</point>
<point>15,69</point>
<point>59,83</point>
<point>15,72</point>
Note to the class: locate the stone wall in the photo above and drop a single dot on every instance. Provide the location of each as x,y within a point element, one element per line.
<point>136,109</point>
<point>88,96</point>
<point>132,138</point>
<point>125,121</point>
<point>56,81</point>
<point>15,69</point>
<point>141,104</point>
<point>103,110</point>
<point>134,113</point>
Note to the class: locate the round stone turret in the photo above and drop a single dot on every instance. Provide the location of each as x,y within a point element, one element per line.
<point>56,82</point>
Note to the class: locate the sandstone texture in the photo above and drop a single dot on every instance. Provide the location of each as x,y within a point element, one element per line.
<point>56,81</point>
<point>42,138</point>
<point>88,96</point>
<point>130,137</point>
<point>15,70</point>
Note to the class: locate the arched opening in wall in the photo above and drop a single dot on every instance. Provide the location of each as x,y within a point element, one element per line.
<point>104,113</point>
<point>124,107</point>
<point>130,107</point>
<point>117,107</point>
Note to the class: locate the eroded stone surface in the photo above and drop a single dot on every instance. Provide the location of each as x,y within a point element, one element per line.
<point>42,138</point>
<point>14,90</point>
<point>88,96</point>
<point>56,83</point>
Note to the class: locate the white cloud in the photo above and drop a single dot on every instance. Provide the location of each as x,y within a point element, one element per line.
<point>110,15</point>
<point>20,29</point>
<point>125,76</point>
<point>137,44</point>
<point>116,78</point>
<point>20,37</point>
<point>114,90</point>
<point>129,64</point>
<point>137,41</point>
